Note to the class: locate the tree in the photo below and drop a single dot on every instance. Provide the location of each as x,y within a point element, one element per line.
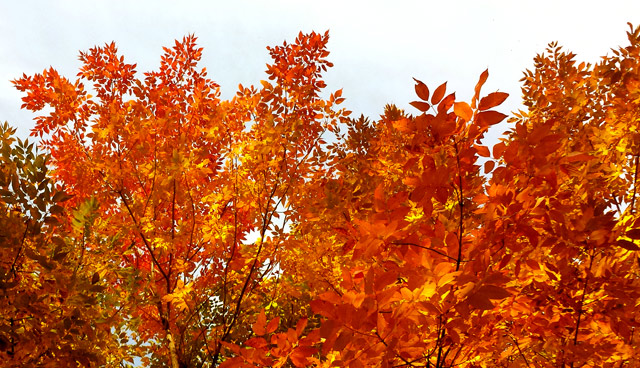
<point>192,187</point>
<point>533,263</point>
<point>54,311</point>
<point>273,230</point>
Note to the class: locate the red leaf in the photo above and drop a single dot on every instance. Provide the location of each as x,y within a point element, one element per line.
<point>438,94</point>
<point>493,292</point>
<point>300,354</point>
<point>421,90</point>
<point>480,301</point>
<point>446,104</point>
<point>633,233</point>
<point>488,118</point>
<point>488,166</point>
<point>627,245</point>
<point>492,100</point>
<point>422,106</point>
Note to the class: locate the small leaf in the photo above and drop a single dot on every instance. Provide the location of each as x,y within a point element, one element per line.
<point>480,301</point>
<point>482,150</point>
<point>446,103</point>
<point>488,118</point>
<point>463,111</point>
<point>627,244</point>
<point>488,166</point>
<point>232,362</point>
<point>257,342</point>
<point>422,106</point>
<point>95,278</point>
<point>493,292</point>
<point>258,326</point>
<point>421,90</point>
<point>492,100</point>
<point>633,233</point>
<point>273,325</point>
<point>498,149</point>
<point>300,326</point>
<point>300,354</point>
<point>483,78</point>
<point>438,94</point>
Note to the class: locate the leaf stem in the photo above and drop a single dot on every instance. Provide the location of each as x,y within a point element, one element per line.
<point>581,305</point>
<point>461,206</point>
<point>427,248</point>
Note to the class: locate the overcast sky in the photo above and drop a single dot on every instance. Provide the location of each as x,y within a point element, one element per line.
<point>376,46</point>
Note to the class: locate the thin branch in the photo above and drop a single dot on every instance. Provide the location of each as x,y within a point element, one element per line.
<point>144,239</point>
<point>635,181</point>
<point>455,357</point>
<point>15,260</point>
<point>520,350</point>
<point>406,362</point>
<point>427,248</point>
<point>580,307</point>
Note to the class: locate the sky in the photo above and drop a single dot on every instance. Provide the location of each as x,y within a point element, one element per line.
<point>377,47</point>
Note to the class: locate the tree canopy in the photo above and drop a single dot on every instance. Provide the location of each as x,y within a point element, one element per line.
<point>165,226</point>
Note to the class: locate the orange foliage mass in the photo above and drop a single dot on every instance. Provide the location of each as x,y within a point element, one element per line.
<point>274,230</point>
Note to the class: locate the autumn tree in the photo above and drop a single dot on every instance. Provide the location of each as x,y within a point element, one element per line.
<point>272,230</point>
<point>527,260</point>
<point>195,190</point>
<point>571,165</point>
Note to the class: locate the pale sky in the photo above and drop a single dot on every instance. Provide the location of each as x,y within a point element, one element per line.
<point>376,46</point>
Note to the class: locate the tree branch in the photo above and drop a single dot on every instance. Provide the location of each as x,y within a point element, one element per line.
<point>427,248</point>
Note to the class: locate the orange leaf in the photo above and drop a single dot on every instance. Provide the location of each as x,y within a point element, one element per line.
<point>492,100</point>
<point>446,103</point>
<point>488,118</point>
<point>258,327</point>
<point>421,90</point>
<point>302,323</point>
<point>482,150</point>
<point>488,166</point>
<point>232,362</point>
<point>463,111</point>
<point>578,156</point>
<point>438,94</point>
<point>422,106</point>
<point>483,78</point>
<point>273,325</point>
<point>403,125</point>
<point>300,354</point>
<point>256,342</point>
<point>498,149</point>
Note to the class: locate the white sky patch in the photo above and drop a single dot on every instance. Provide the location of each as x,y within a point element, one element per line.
<point>376,46</point>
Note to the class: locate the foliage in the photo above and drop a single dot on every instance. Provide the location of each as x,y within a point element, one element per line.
<point>273,230</point>
<point>54,311</point>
